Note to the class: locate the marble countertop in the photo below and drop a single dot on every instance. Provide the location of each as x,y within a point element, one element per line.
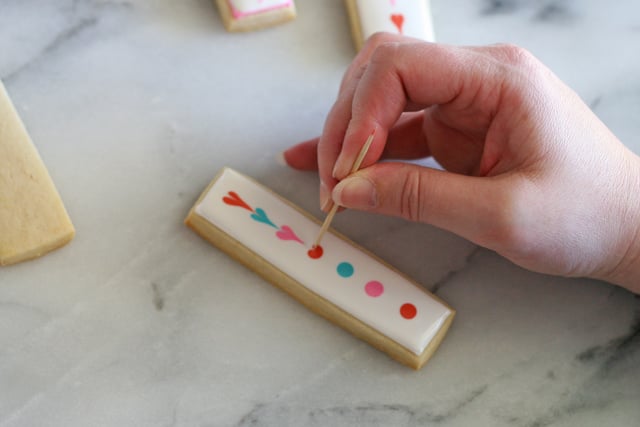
<point>135,105</point>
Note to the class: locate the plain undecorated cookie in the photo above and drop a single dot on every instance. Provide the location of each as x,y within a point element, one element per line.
<point>33,220</point>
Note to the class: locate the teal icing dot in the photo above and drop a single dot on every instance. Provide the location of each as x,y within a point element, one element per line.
<point>345,269</point>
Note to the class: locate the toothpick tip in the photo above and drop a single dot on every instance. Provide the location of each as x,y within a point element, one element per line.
<point>334,208</point>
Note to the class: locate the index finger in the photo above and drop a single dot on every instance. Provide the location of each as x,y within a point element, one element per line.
<point>402,76</point>
<point>333,134</point>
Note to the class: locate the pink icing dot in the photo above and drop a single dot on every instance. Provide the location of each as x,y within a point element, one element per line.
<point>374,288</point>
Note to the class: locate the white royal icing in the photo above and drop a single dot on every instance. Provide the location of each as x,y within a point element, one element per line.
<point>242,8</point>
<point>377,304</point>
<point>409,17</point>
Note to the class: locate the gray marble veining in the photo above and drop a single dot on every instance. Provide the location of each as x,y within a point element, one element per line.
<point>134,105</point>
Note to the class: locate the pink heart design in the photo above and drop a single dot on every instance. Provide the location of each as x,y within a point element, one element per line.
<point>234,200</point>
<point>398,21</point>
<point>393,3</point>
<point>286,233</point>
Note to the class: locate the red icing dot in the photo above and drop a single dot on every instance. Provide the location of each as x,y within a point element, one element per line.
<point>315,252</point>
<point>408,311</point>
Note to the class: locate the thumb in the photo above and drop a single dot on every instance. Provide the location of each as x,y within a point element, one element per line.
<point>464,205</point>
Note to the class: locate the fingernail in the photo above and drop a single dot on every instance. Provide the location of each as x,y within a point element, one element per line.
<point>325,197</point>
<point>281,160</point>
<point>355,192</point>
<point>341,169</point>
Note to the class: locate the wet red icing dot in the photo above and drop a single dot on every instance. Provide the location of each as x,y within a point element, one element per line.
<point>315,252</point>
<point>408,311</point>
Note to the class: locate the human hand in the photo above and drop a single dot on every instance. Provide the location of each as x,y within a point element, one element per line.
<point>530,171</point>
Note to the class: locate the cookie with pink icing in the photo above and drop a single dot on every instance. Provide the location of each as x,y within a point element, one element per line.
<point>408,17</point>
<point>339,280</point>
<point>249,15</point>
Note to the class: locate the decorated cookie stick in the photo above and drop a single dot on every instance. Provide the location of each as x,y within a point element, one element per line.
<point>249,15</point>
<point>337,280</point>
<point>408,17</point>
<point>33,220</point>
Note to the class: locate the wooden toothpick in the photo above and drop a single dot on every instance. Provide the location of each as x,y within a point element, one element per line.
<point>334,208</point>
